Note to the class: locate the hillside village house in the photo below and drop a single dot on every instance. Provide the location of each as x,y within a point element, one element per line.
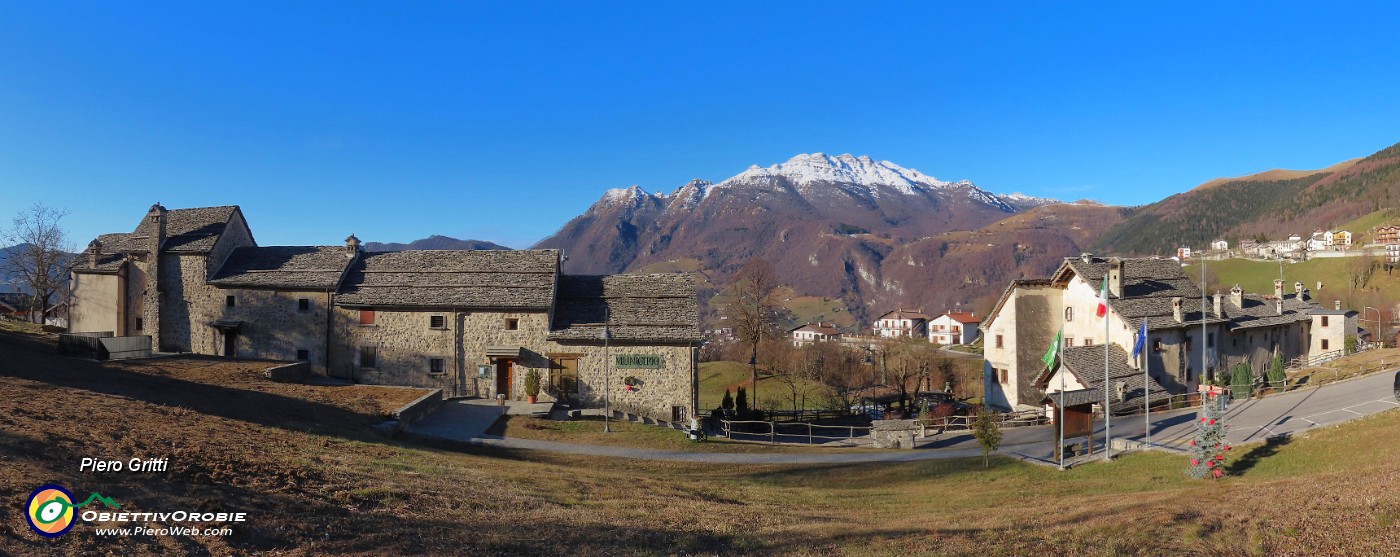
<point>1183,253</point>
<point>1339,238</point>
<point>1238,327</point>
<point>1387,235</point>
<point>901,323</point>
<point>469,322</point>
<point>1220,245</point>
<point>814,332</point>
<point>954,327</point>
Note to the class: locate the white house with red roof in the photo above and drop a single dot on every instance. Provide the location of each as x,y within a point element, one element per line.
<point>954,327</point>
<point>901,323</point>
<point>814,332</point>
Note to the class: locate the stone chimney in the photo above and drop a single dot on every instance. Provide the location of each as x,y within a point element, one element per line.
<point>1237,296</point>
<point>1298,289</point>
<point>1278,288</point>
<point>156,219</point>
<point>1337,305</point>
<point>1219,311</point>
<point>1278,306</point>
<point>1115,277</point>
<point>94,251</point>
<point>1319,286</point>
<point>1176,310</point>
<point>352,247</point>
<point>1086,257</point>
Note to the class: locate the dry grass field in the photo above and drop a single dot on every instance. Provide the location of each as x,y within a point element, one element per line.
<point>315,482</point>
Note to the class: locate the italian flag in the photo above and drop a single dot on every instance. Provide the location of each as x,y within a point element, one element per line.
<point>1103,299</point>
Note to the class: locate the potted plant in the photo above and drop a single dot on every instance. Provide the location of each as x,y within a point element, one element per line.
<point>532,385</point>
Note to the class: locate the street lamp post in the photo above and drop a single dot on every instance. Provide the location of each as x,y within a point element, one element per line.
<point>607,374</point>
<point>1377,333</point>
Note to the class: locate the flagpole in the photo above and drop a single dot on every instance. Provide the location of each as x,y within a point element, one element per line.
<point>1107,411</point>
<point>1146,389</point>
<point>1060,449</point>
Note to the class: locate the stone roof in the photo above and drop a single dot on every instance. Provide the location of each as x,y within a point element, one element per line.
<point>1149,285</point>
<point>289,267</point>
<point>1142,276</point>
<point>637,308</point>
<point>1087,364</point>
<point>482,279</point>
<point>188,230</point>
<point>1075,398</point>
<point>1262,311</point>
<point>1006,295</point>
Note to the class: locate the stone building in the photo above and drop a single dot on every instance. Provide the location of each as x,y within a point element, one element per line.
<point>472,323</point>
<point>1190,339</point>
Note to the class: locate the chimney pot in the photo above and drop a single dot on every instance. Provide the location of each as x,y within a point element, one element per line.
<point>1177,311</point>
<point>1337,305</point>
<point>1086,257</point>
<point>1237,296</point>
<point>1278,306</point>
<point>352,246</point>
<point>1278,288</point>
<point>1218,309</point>
<point>94,251</point>
<point>1115,277</point>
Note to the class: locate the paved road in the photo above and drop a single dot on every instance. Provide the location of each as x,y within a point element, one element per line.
<point>1249,420</point>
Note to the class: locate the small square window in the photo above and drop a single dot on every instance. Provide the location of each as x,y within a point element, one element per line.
<point>303,304</point>
<point>1324,321</point>
<point>303,355</point>
<point>369,357</point>
<point>1069,314</point>
<point>366,317</point>
<point>1324,344</point>
<point>437,322</point>
<point>1088,342</point>
<point>140,323</point>
<point>512,324</point>
<point>230,301</point>
<point>1069,341</point>
<point>437,365</point>
<point>999,343</point>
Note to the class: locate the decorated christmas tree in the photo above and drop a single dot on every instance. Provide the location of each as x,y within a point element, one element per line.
<point>1208,448</point>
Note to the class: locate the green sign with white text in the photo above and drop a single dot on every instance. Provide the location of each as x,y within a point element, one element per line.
<point>636,361</point>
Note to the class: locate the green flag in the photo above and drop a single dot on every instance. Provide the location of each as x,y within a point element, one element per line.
<point>1054,351</point>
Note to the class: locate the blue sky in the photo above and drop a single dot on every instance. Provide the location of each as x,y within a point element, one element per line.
<point>500,121</point>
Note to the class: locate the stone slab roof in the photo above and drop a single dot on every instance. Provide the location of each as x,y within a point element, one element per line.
<point>1262,311</point>
<point>1142,276</point>
<point>1087,364</point>
<point>481,279</point>
<point>188,230</point>
<point>638,308</point>
<point>1075,398</point>
<point>287,267</point>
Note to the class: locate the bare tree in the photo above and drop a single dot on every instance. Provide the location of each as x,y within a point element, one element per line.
<point>910,361</point>
<point>754,307</point>
<point>41,257</point>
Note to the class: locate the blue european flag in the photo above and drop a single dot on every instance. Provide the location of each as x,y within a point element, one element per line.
<point>1141,340</point>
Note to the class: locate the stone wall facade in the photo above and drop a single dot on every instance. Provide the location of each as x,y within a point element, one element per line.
<point>273,325</point>
<point>404,342</point>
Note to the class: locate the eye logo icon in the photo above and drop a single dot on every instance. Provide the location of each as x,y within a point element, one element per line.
<point>50,511</point>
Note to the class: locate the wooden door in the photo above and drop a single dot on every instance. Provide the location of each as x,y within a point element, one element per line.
<point>504,368</point>
<point>230,344</point>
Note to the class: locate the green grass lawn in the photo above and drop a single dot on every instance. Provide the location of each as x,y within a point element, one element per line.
<point>715,377</point>
<point>1257,277</point>
<point>1361,227</point>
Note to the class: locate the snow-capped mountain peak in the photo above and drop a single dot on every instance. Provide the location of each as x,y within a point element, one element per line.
<point>807,169</point>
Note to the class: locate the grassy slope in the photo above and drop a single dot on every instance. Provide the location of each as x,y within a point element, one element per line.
<point>1362,228</point>
<point>336,490</point>
<point>1257,277</point>
<point>715,377</point>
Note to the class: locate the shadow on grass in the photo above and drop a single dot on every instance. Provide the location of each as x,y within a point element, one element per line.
<point>1251,459</point>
